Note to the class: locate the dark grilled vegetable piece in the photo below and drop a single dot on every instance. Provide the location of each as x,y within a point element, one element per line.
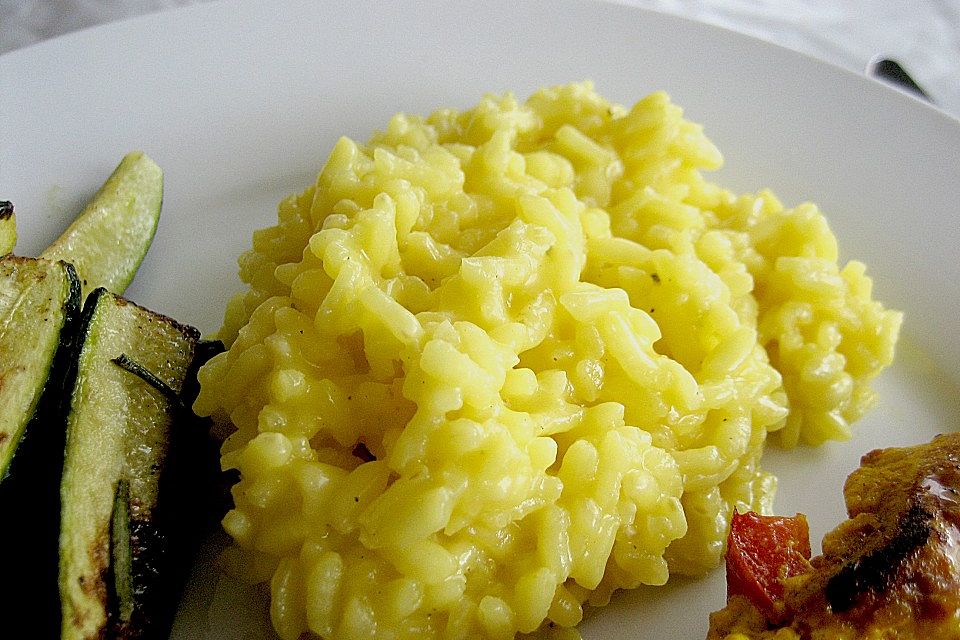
<point>116,513</point>
<point>39,302</point>
<point>110,237</point>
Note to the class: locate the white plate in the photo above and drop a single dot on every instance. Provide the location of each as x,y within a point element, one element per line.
<point>240,102</point>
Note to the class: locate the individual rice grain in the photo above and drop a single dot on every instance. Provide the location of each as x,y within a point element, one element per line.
<point>497,364</point>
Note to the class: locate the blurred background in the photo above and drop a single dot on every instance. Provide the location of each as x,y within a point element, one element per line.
<point>923,35</point>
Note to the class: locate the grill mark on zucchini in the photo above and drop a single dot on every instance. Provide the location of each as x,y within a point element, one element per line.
<point>120,553</point>
<point>132,366</point>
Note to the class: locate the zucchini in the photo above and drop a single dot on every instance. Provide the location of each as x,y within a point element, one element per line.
<point>116,513</point>
<point>109,239</point>
<point>40,311</point>
<point>8,227</point>
<point>39,303</point>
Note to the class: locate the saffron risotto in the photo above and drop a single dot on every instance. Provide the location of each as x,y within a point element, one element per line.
<point>497,363</point>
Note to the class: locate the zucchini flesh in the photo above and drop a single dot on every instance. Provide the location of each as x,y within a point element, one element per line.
<point>119,429</point>
<point>8,227</point>
<point>39,301</point>
<point>109,239</point>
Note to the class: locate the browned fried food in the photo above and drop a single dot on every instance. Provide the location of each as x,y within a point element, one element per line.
<point>892,570</point>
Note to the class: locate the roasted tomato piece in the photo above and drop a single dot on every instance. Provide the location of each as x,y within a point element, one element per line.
<point>763,551</point>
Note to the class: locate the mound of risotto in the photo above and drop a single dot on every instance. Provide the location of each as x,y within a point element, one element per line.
<point>498,363</point>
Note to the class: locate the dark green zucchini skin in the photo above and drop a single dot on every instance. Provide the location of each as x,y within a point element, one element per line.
<point>30,494</point>
<point>189,504</point>
<point>153,534</point>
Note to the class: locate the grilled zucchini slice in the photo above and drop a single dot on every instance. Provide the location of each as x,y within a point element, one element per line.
<point>39,309</point>
<point>39,303</point>
<point>115,515</point>
<point>8,227</point>
<point>109,239</point>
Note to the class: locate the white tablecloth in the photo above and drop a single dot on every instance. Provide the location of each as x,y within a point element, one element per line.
<point>924,35</point>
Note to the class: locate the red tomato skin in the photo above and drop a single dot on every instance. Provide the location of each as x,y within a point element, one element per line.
<point>762,552</point>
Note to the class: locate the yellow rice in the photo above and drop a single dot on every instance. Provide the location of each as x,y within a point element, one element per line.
<point>562,345</point>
